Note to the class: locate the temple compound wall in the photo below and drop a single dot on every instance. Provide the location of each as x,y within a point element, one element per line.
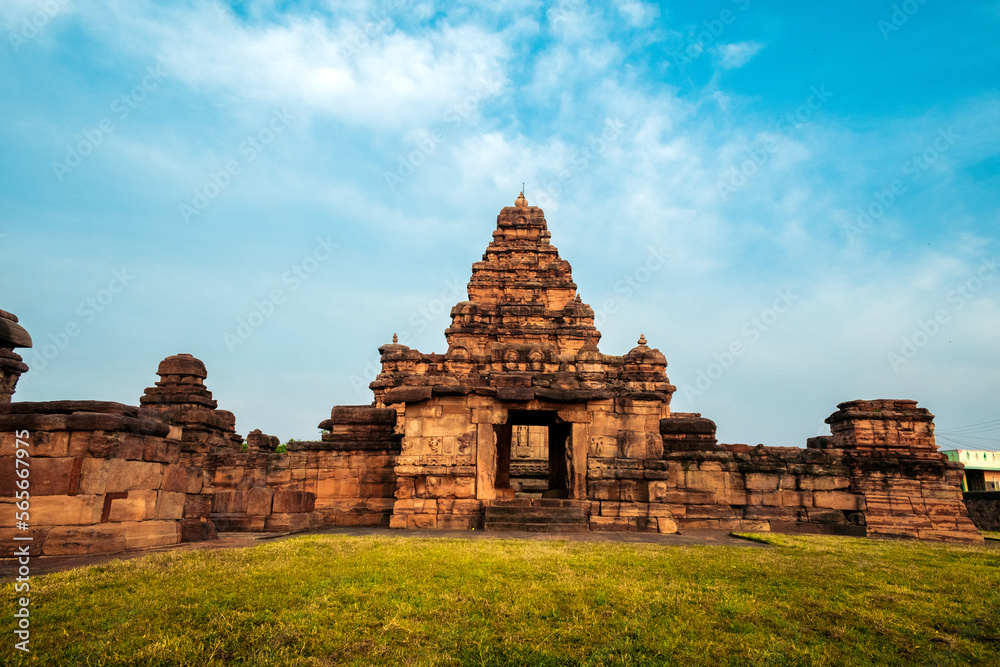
<point>106,477</point>
<point>523,423</point>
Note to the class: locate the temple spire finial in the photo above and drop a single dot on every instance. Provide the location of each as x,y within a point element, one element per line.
<point>395,339</point>
<point>521,202</point>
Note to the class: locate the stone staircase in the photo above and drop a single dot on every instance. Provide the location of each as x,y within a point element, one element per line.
<point>536,515</point>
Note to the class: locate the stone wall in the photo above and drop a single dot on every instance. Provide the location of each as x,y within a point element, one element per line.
<point>879,474</point>
<point>104,477</point>
<point>701,485</point>
<point>346,479</point>
<point>984,509</point>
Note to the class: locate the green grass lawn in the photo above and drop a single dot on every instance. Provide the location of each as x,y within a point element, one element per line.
<point>334,600</point>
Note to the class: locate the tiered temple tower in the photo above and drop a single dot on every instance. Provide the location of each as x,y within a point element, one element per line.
<point>522,351</point>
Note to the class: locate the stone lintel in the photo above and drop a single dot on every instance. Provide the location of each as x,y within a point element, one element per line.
<point>408,395</point>
<point>361,414</point>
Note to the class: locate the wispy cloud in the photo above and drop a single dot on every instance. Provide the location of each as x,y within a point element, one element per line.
<point>469,100</point>
<point>736,55</point>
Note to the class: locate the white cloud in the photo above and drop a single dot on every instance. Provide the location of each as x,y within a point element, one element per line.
<point>638,14</point>
<point>736,55</point>
<point>365,73</point>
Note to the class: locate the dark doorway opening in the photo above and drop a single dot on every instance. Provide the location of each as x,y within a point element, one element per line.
<point>532,452</point>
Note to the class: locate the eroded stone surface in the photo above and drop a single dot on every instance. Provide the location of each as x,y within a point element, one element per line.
<point>523,403</point>
<point>12,366</point>
<point>184,401</point>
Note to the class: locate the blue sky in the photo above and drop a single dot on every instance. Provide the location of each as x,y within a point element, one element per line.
<point>797,203</point>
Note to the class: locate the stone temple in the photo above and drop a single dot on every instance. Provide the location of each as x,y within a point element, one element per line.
<point>523,423</point>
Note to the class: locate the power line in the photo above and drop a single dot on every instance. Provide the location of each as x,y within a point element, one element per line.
<point>992,425</point>
<point>974,437</point>
<point>962,444</point>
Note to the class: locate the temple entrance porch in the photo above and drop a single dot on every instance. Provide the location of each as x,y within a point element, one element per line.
<point>532,455</point>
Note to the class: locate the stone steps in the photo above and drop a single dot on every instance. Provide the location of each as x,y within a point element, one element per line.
<point>536,515</point>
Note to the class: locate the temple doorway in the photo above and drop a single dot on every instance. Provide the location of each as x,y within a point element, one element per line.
<point>531,455</point>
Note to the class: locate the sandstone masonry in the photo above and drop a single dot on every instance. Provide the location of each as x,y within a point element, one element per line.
<point>523,423</point>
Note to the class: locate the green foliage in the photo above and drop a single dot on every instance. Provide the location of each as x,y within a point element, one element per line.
<point>341,600</point>
<point>244,446</point>
<point>281,449</point>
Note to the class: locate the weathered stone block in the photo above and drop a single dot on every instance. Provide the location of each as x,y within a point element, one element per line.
<point>259,501</point>
<point>457,522</point>
<point>197,506</point>
<point>290,522</point>
<point>94,476</point>
<point>421,521</point>
<point>769,513</point>
<point>169,506</point>
<point>440,487</point>
<point>339,488</point>
<point>182,479</point>
<point>50,444</point>
<point>839,500</point>
<point>687,497</point>
<point>762,482</point>
<point>604,489</point>
<point>465,487</point>
<point>710,512</point>
<point>666,525</point>
<point>136,506</point>
<point>290,502</point>
<point>197,530</point>
<point>826,516</point>
<point>824,483</point>
<point>103,538</point>
<point>145,534</point>
<point>127,475</point>
<point>229,502</point>
<point>611,524</point>
<point>470,506</point>
<point>634,491</point>
<point>228,477</point>
<point>633,509</point>
<point>700,480</point>
<point>66,510</point>
<point>50,477</point>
